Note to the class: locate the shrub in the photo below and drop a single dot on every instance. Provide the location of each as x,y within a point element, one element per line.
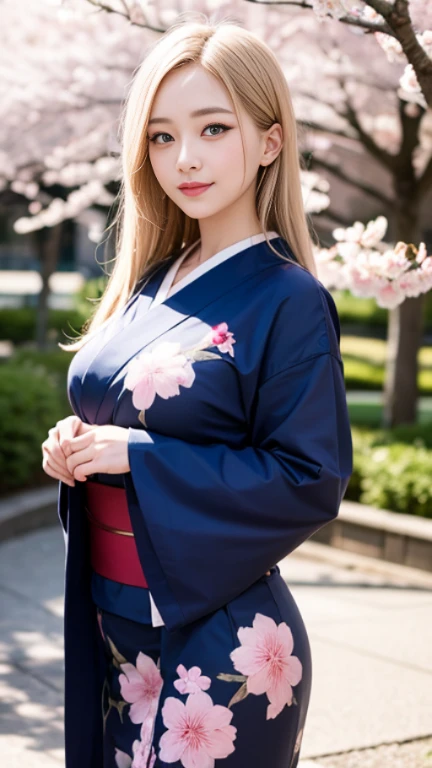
<point>30,404</point>
<point>19,325</point>
<point>392,474</point>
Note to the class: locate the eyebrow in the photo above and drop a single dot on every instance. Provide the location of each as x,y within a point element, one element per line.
<point>197,113</point>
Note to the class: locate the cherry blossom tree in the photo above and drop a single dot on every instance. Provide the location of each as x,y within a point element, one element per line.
<point>386,111</point>
<point>366,80</point>
<point>65,72</point>
<point>359,75</point>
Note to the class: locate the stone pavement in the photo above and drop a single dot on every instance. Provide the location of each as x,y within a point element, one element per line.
<point>371,639</point>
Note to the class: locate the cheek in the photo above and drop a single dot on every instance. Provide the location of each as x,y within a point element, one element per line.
<point>161,165</point>
<point>229,155</point>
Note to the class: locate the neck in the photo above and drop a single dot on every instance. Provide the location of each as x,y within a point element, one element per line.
<point>208,247</point>
<point>228,226</point>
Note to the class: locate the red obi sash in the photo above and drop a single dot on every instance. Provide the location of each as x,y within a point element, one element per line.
<point>112,541</point>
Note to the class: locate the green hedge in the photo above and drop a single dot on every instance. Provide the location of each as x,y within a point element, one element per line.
<point>31,402</point>
<point>360,374</point>
<point>19,325</point>
<point>356,311</point>
<point>393,469</point>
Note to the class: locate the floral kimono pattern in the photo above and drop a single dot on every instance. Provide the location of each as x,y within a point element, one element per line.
<point>164,369</point>
<point>239,445</point>
<point>199,731</point>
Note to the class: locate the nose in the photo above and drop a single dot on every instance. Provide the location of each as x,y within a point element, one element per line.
<point>187,159</point>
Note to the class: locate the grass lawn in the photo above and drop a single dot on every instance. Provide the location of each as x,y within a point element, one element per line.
<point>364,360</point>
<point>368,412</point>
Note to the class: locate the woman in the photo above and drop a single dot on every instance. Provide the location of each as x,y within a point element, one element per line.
<point>211,435</point>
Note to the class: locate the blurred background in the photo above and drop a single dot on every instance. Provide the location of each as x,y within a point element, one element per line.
<point>360,76</point>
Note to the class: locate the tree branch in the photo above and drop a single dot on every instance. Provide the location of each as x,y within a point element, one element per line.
<point>126,15</point>
<point>385,158</point>
<point>343,176</point>
<point>332,215</point>
<point>397,23</point>
<point>353,21</point>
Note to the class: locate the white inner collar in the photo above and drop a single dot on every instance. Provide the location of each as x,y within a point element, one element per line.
<point>217,258</point>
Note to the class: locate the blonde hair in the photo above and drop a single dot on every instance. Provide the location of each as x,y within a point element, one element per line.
<point>152,226</point>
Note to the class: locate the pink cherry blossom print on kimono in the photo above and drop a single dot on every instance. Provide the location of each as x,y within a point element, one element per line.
<point>191,681</point>
<point>140,686</point>
<point>265,658</point>
<point>143,758</point>
<point>199,732</point>
<point>144,755</point>
<point>222,338</point>
<point>159,372</point>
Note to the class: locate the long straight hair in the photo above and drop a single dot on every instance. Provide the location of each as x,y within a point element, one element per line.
<point>150,226</point>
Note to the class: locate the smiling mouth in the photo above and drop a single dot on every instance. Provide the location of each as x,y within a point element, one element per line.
<point>195,190</point>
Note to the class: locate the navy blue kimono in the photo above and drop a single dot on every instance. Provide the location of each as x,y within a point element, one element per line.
<point>228,475</point>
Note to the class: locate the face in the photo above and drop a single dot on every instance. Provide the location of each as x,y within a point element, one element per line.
<point>194,136</point>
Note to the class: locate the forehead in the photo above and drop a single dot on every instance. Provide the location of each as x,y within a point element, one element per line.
<point>188,87</point>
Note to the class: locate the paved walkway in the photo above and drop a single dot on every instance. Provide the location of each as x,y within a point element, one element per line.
<point>371,638</point>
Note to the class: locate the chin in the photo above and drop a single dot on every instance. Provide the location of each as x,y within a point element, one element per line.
<point>197,212</point>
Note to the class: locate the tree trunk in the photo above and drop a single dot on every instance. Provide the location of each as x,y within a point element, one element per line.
<point>48,242</point>
<point>405,332</point>
<point>405,328</point>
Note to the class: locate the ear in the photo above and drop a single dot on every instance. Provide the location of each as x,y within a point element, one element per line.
<point>272,144</point>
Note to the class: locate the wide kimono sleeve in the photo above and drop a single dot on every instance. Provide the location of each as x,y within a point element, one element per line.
<point>210,520</point>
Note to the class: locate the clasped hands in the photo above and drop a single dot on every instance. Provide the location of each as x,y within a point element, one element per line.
<point>74,450</point>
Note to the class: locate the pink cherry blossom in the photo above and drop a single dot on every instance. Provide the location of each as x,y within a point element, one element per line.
<point>222,338</point>
<point>191,680</point>
<point>368,267</point>
<point>265,657</point>
<point>143,751</point>
<point>159,372</point>
<point>199,732</point>
<point>390,295</point>
<point>141,755</point>
<point>409,81</point>
<point>422,253</point>
<point>140,686</point>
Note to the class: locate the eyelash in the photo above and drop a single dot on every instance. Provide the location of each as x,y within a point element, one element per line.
<point>210,125</point>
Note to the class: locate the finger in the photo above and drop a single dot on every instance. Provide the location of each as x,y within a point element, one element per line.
<point>59,466</point>
<point>68,431</point>
<point>84,428</point>
<point>79,457</point>
<point>58,456</point>
<point>54,453</point>
<point>57,475</point>
<point>78,443</point>
<point>84,470</point>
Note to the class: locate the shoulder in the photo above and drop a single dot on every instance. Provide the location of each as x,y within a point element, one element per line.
<point>304,321</point>
<point>290,282</point>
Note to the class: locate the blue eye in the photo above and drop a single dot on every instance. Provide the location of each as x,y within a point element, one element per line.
<point>217,125</point>
<point>153,138</point>
<point>211,125</point>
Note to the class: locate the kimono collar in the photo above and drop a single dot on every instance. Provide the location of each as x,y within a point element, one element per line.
<point>192,296</point>
<point>217,258</point>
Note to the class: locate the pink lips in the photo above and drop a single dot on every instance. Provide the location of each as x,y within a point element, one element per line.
<point>195,189</point>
